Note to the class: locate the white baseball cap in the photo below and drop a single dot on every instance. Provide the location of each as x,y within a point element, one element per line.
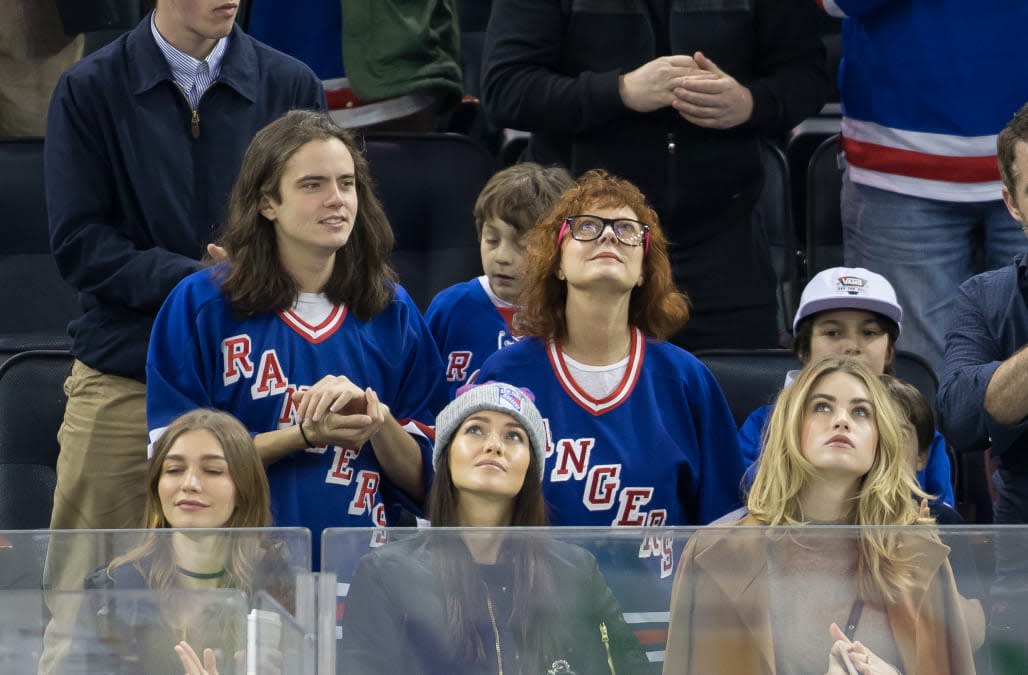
<point>848,288</point>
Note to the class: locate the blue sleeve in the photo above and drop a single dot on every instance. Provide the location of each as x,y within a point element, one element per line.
<point>936,477</point>
<point>751,434</point>
<point>721,464</point>
<point>91,249</point>
<point>973,353</point>
<point>176,365</point>
<point>422,392</point>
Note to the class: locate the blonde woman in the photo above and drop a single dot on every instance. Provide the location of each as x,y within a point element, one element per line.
<point>873,601</point>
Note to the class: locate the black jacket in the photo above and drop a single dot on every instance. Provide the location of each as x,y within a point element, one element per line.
<point>395,619</point>
<point>552,66</point>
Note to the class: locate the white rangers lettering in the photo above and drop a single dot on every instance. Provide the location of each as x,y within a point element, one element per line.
<point>235,353</point>
<point>378,536</point>
<point>574,451</point>
<point>270,378</point>
<point>601,486</point>
<point>288,414</point>
<point>549,437</point>
<point>631,498</point>
<point>341,471</point>
<point>364,497</point>
<point>656,546</point>
<point>457,367</point>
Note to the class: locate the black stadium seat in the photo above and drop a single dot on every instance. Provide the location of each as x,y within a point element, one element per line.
<point>824,216</point>
<point>428,184</point>
<point>31,409</point>
<point>35,301</point>
<point>751,378</point>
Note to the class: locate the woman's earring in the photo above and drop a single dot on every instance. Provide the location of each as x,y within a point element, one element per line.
<point>560,274</point>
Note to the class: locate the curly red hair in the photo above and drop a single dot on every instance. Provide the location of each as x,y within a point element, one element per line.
<point>658,308</point>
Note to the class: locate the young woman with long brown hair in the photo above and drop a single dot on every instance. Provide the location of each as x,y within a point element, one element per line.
<point>485,601</point>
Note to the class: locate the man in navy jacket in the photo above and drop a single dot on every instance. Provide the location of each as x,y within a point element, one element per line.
<point>143,143</point>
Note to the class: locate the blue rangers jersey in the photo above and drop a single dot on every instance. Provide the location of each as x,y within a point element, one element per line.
<point>201,355</point>
<point>469,323</point>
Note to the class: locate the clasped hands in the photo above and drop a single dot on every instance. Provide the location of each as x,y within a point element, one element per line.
<point>336,411</point>
<point>694,86</point>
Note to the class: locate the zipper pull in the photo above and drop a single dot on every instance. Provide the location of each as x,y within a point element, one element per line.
<point>670,143</point>
<point>196,124</point>
<point>606,643</point>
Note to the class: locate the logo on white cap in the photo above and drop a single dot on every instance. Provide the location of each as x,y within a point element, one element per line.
<point>851,285</point>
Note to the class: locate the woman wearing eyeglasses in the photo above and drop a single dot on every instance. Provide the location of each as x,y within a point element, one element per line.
<point>640,431</point>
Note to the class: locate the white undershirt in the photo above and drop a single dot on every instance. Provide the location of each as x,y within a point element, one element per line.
<point>313,308</point>
<point>597,381</point>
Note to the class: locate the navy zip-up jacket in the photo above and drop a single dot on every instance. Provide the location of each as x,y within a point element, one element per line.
<point>133,193</point>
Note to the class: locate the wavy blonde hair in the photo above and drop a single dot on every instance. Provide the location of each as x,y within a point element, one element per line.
<point>887,490</point>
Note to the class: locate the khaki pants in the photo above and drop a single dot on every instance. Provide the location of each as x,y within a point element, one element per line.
<point>101,484</point>
<point>101,470</point>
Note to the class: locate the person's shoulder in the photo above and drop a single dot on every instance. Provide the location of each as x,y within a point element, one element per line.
<point>201,287</point>
<point>571,556</point>
<point>670,355</point>
<point>410,554</point>
<point>93,71</point>
<point>452,296</point>
<point>528,351</point>
<point>759,416</point>
<point>992,280</point>
<point>127,576</point>
<point>273,62</point>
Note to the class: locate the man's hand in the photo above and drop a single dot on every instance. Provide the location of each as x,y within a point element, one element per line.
<point>651,86</point>
<point>713,99</point>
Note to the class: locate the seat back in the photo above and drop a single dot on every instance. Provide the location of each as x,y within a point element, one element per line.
<point>774,212</point>
<point>824,216</point>
<point>750,378</point>
<point>32,404</point>
<point>36,302</point>
<point>428,184</point>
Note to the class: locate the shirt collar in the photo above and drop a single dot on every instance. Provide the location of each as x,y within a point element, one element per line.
<point>183,66</point>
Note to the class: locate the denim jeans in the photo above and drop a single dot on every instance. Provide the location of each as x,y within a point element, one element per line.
<point>926,249</point>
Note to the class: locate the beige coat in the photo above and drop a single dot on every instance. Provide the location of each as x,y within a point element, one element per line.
<point>720,620</point>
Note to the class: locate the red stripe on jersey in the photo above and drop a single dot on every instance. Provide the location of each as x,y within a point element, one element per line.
<point>594,406</point>
<point>316,334</point>
<point>874,157</point>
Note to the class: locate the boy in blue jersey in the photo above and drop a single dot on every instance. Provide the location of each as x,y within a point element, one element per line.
<point>849,311</point>
<point>471,320</point>
<point>305,336</point>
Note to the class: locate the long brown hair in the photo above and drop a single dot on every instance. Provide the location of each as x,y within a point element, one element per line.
<point>255,281</point>
<point>456,570</point>
<point>657,307</point>
<point>252,509</point>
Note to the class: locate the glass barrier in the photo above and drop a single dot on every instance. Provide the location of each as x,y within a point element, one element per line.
<point>560,600</point>
<point>708,600</point>
<point>120,601</point>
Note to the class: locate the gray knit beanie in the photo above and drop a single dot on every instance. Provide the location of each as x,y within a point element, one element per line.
<point>498,396</point>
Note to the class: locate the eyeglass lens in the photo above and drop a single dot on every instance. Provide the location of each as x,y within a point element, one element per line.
<point>588,228</point>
